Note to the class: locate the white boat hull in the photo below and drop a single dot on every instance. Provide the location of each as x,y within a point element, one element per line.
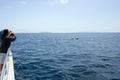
<point>8,68</point>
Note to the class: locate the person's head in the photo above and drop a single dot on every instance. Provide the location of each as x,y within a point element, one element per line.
<point>5,32</point>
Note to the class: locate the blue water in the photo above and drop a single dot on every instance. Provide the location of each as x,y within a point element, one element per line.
<point>70,56</point>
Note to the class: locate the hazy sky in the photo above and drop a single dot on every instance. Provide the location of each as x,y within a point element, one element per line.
<point>60,15</point>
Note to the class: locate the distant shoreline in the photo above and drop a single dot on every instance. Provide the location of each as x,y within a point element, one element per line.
<point>61,32</point>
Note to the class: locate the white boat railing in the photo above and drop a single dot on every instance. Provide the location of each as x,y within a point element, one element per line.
<point>8,68</point>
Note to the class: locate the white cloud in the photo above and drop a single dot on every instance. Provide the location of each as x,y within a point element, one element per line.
<point>55,2</point>
<point>63,1</point>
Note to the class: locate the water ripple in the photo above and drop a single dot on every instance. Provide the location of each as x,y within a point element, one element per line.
<point>80,56</point>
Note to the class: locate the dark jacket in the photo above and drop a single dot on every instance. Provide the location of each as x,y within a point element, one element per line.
<point>5,43</point>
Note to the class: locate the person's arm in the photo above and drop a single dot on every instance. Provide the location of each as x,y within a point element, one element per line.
<point>11,37</point>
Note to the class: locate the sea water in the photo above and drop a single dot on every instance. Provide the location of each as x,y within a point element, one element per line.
<point>67,56</point>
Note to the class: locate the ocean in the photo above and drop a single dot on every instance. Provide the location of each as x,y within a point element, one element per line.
<point>67,56</point>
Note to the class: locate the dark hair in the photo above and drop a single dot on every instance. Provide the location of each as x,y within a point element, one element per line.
<point>5,32</point>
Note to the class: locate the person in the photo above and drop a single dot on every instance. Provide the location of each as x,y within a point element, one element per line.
<point>6,37</point>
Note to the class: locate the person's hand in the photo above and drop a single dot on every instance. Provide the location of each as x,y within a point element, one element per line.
<point>12,35</point>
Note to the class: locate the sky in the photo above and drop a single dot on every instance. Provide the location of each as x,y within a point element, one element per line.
<point>60,16</point>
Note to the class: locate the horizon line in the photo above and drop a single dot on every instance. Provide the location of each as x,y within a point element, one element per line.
<point>68,32</point>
